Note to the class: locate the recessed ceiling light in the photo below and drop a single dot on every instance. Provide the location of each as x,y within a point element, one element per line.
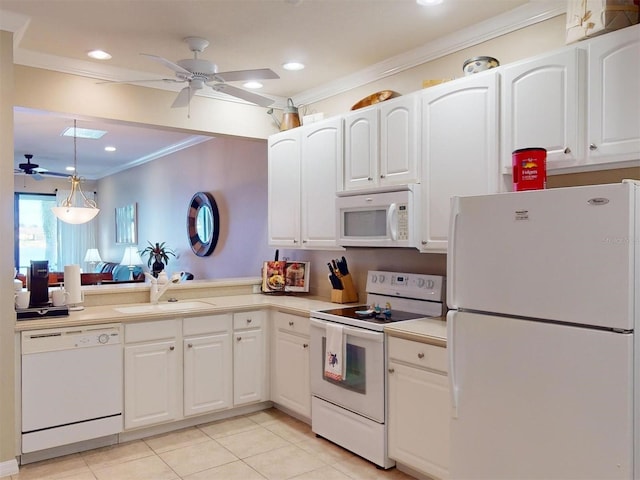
<point>109,149</point>
<point>252,85</point>
<point>429,2</point>
<point>99,55</point>
<point>69,169</point>
<point>293,66</point>
<point>83,133</point>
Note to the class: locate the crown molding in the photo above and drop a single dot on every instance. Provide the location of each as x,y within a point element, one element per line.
<point>523,16</point>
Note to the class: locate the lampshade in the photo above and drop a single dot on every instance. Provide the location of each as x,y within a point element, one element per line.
<point>92,256</point>
<point>71,210</point>
<point>131,257</point>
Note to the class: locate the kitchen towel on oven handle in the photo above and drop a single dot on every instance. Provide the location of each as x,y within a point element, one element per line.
<point>335,352</point>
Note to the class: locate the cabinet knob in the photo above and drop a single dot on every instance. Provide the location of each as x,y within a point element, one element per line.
<point>391,370</point>
<point>305,345</point>
<point>421,355</point>
<point>370,179</point>
<point>381,176</point>
<point>172,347</point>
<point>238,339</point>
<point>190,345</point>
<point>291,324</point>
<point>593,147</point>
<point>567,150</point>
<point>248,320</point>
<point>304,241</point>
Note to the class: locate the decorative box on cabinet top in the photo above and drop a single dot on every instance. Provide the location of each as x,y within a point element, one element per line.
<point>587,18</point>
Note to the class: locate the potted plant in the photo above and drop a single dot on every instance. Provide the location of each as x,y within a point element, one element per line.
<point>158,256</point>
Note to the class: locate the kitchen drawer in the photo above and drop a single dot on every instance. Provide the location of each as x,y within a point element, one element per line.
<point>419,354</point>
<point>153,330</point>
<point>292,323</point>
<point>207,324</point>
<point>253,319</point>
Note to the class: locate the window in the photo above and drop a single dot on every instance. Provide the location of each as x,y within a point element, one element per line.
<point>36,231</point>
<point>39,235</point>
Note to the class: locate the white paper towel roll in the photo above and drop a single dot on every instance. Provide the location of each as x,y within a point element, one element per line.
<point>72,284</point>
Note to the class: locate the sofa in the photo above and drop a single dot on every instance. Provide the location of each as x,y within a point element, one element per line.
<point>119,273</point>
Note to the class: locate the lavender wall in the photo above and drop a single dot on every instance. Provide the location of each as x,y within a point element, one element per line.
<point>233,170</point>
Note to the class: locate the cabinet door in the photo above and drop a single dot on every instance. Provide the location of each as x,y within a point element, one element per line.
<point>614,96</point>
<point>207,373</point>
<point>361,149</point>
<point>419,419</point>
<point>399,140</point>
<point>248,366</point>
<point>151,383</point>
<point>322,155</point>
<point>542,106</point>
<point>284,189</point>
<point>291,372</point>
<point>459,150</point>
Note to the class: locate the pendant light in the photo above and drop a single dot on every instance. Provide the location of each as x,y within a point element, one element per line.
<point>67,211</point>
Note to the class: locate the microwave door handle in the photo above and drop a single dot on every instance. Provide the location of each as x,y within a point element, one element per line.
<point>392,221</point>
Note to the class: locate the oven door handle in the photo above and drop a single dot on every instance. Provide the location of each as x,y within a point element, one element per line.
<point>352,332</point>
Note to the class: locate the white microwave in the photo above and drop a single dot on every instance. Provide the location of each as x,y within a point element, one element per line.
<point>379,219</point>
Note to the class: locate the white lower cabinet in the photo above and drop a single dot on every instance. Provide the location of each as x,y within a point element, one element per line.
<point>152,358</point>
<point>419,411</point>
<point>208,364</point>
<point>249,357</point>
<point>291,386</point>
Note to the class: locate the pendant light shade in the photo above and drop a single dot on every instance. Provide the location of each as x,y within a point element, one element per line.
<point>76,209</point>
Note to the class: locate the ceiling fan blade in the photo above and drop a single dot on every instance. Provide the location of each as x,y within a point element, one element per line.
<point>239,75</point>
<point>184,97</point>
<point>243,94</point>
<point>168,63</point>
<point>170,80</point>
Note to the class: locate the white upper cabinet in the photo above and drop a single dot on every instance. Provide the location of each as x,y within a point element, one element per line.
<point>381,145</point>
<point>613,132</point>
<point>303,179</point>
<point>459,150</point>
<point>284,189</point>
<point>321,158</point>
<point>542,106</point>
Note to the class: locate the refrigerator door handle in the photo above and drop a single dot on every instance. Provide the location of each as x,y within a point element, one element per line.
<point>455,211</point>
<point>453,386</point>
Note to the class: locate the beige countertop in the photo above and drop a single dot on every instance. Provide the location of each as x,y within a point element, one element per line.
<point>424,330</point>
<point>297,305</point>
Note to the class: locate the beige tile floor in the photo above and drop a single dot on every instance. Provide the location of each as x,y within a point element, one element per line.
<point>263,445</point>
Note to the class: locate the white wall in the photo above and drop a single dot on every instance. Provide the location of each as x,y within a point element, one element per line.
<point>233,170</point>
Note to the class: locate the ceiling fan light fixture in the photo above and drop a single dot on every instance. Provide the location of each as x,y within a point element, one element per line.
<point>73,210</point>
<point>293,66</point>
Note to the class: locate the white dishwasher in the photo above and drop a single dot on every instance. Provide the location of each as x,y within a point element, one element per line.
<point>71,385</point>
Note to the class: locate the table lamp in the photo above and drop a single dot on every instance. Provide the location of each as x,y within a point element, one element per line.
<point>131,258</point>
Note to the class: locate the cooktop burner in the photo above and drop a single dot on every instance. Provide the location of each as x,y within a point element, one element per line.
<point>351,312</point>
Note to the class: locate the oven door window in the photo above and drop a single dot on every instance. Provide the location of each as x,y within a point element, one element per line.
<point>356,374</point>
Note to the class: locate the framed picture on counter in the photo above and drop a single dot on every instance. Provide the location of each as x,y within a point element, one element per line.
<point>280,276</point>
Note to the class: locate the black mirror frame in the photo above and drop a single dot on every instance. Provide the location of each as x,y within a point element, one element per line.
<point>200,248</point>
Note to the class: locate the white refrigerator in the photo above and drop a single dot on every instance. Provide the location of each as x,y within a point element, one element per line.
<point>544,364</point>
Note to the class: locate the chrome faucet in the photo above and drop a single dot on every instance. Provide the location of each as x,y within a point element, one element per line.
<point>157,290</point>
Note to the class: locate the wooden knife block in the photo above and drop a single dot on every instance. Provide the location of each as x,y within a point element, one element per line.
<point>348,294</point>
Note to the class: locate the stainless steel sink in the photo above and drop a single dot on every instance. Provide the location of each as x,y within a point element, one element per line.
<point>179,306</point>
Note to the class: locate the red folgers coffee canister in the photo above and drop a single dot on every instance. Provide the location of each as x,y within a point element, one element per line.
<point>529,169</point>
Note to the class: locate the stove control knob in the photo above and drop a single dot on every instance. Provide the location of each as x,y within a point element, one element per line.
<point>421,282</point>
<point>374,278</point>
<point>103,338</point>
<point>381,278</point>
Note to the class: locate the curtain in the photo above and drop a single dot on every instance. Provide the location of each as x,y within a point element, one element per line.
<point>74,240</point>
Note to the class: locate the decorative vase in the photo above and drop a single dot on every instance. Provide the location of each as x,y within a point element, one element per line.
<point>157,267</point>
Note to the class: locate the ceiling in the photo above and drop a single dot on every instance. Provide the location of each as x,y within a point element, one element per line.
<point>343,43</point>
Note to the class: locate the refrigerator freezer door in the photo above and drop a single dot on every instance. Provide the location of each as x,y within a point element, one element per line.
<point>563,254</point>
<point>534,400</point>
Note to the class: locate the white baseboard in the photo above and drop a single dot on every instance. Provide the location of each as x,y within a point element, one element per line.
<point>10,467</point>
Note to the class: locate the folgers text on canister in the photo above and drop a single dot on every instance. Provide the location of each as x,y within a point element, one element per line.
<point>529,169</point>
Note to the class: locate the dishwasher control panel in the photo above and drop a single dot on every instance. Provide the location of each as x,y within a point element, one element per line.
<point>36,341</point>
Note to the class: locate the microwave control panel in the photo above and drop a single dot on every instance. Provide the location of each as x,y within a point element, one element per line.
<point>403,221</point>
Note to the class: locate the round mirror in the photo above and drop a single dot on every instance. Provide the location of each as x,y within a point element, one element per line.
<point>203,224</point>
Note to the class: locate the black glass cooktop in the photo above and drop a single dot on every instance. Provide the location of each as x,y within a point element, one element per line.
<point>350,312</point>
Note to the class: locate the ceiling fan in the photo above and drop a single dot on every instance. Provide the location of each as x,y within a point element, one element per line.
<point>197,73</point>
<point>34,169</point>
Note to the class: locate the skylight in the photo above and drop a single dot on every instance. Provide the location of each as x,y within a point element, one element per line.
<point>83,133</point>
